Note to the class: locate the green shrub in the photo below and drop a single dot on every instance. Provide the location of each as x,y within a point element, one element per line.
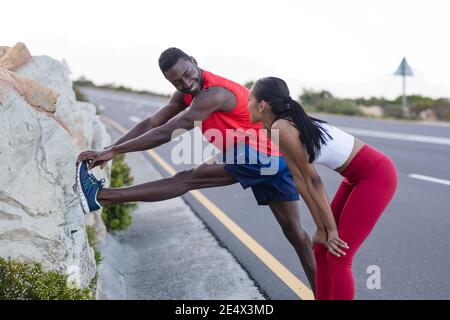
<point>441,108</point>
<point>393,111</point>
<point>323,101</point>
<point>27,281</point>
<point>373,101</point>
<point>91,235</point>
<point>92,239</point>
<point>117,216</point>
<point>333,105</point>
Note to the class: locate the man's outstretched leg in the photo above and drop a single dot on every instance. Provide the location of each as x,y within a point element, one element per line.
<point>93,196</point>
<point>203,176</point>
<point>287,214</point>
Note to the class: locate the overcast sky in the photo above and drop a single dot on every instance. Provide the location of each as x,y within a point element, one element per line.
<point>348,47</point>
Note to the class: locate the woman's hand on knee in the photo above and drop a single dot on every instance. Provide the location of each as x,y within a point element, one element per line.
<point>335,244</point>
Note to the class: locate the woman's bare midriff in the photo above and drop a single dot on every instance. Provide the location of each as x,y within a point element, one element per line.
<point>356,147</point>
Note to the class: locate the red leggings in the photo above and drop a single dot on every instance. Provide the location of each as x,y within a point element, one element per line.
<point>369,184</point>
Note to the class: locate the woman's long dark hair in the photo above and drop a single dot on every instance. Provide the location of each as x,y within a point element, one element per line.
<point>276,92</point>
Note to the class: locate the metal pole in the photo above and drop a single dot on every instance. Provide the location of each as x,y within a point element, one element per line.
<point>404,102</point>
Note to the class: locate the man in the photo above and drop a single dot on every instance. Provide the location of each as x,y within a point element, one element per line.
<point>221,106</point>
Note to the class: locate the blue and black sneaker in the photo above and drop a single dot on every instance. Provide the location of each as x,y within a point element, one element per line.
<point>88,188</point>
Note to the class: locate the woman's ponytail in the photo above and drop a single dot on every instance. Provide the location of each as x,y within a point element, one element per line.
<point>311,133</point>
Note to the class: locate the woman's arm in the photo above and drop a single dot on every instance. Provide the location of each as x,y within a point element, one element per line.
<point>307,180</point>
<point>312,206</point>
<point>320,236</point>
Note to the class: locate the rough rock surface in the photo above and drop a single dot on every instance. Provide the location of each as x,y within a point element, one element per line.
<point>41,219</point>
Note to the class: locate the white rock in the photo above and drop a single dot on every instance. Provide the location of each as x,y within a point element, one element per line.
<point>41,219</point>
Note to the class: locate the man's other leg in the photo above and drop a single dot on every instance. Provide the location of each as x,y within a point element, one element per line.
<point>287,214</point>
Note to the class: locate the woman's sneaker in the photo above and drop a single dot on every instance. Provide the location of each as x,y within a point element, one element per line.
<point>88,188</point>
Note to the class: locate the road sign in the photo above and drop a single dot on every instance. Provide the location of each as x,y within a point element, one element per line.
<point>404,70</point>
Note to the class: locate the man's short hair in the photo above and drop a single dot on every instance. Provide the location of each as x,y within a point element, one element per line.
<point>169,58</point>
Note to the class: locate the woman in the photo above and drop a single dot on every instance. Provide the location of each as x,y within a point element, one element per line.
<point>370,181</point>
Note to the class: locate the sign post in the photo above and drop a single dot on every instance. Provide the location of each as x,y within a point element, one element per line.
<point>404,70</point>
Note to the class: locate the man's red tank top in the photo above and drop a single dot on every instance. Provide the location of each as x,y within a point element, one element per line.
<point>238,119</point>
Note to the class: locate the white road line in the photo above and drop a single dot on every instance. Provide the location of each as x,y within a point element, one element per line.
<point>397,136</point>
<point>134,119</point>
<point>430,179</point>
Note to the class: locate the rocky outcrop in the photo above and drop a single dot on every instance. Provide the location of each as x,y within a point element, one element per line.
<point>43,129</point>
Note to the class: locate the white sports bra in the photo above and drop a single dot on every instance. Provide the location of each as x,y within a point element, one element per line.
<point>336,151</point>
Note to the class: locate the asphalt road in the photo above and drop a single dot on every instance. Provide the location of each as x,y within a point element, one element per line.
<point>410,243</point>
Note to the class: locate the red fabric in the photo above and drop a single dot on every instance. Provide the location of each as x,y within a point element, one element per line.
<point>237,118</point>
<point>369,184</point>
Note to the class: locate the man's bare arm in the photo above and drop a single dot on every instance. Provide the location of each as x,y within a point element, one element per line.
<point>160,117</point>
<point>214,99</point>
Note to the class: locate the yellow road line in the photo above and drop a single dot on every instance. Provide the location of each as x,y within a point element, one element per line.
<point>299,288</point>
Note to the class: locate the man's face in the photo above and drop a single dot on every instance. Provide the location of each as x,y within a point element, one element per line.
<point>185,76</point>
